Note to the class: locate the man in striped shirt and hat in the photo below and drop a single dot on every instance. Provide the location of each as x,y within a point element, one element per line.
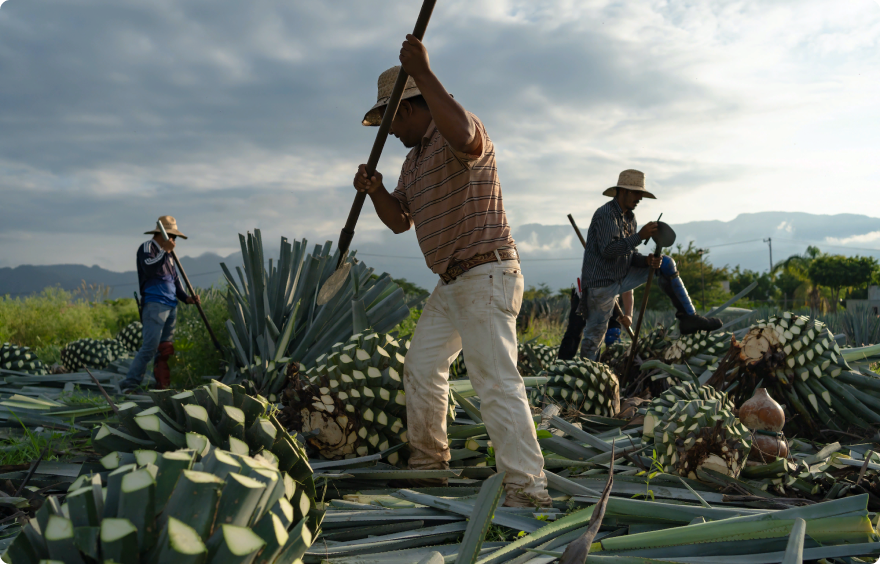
<point>449,189</point>
<point>613,267</point>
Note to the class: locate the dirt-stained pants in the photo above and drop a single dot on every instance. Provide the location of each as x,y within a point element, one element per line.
<point>599,304</point>
<point>477,310</point>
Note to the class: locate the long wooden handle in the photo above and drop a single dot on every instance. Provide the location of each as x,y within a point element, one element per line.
<point>617,309</point>
<point>192,292</point>
<point>347,233</point>
<point>632,351</point>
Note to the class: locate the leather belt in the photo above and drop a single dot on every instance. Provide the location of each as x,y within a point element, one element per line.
<point>457,268</point>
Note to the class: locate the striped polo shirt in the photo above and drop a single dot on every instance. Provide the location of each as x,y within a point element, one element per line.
<point>611,246</point>
<point>453,199</point>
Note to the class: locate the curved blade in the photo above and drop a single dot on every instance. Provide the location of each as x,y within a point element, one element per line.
<point>333,284</point>
<point>665,236</point>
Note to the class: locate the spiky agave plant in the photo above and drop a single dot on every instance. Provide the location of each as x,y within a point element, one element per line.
<point>211,416</point>
<point>589,387</point>
<point>651,345</point>
<point>222,508</point>
<point>535,357</point>
<point>700,434</point>
<point>116,348</point>
<point>352,401</point>
<point>86,353</point>
<point>801,365</point>
<point>698,352</point>
<point>686,391</point>
<point>275,318</point>
<point>20,359</point>
<point>131,336</point>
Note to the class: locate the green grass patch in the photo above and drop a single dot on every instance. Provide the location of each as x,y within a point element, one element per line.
<point>54,317</point>
<point>195,355</point>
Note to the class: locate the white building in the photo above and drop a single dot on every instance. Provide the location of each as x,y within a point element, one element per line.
<point>872,303</point>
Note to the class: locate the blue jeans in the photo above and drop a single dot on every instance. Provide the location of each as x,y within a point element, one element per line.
<point>600,306</point>
<point>158,320</point>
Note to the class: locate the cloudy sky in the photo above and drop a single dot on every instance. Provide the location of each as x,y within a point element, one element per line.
<point>235,115</point>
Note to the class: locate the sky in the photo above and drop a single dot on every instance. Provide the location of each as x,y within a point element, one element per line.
<point>236,115</point>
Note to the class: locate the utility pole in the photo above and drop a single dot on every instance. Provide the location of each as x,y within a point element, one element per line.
<point>769,241</point>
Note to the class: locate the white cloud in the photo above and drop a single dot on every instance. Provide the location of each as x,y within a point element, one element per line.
<point>531,244</point>
<point>785,226</point>
<point>871,237</point>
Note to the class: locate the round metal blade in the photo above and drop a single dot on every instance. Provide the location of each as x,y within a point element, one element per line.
<point>665,236</point>
<point>333,284</point>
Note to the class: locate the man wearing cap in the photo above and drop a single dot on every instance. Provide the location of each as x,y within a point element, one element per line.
<point>449,189</point>
<point>612,266</point>
<point>160,291</point>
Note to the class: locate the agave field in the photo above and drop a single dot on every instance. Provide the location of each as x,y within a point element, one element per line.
<point>754,444</point>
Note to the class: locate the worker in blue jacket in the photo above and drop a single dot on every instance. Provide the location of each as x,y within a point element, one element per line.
<point>160,291</point>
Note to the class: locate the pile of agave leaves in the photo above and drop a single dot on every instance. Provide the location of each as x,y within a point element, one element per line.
<point>259,492</point>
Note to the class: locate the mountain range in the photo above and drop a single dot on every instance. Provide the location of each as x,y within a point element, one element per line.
<point>551,254</point>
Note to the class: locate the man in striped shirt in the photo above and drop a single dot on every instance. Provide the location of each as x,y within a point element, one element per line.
<point>612,266</point>
<point>449,189</point>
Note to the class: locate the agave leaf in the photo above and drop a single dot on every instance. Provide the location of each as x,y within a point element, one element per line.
<point>484,508</point>
<point>794,552</point>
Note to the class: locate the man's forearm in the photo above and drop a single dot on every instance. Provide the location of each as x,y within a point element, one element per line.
<point>389,211</point>
<point>627,303</point>
<point>454,123</point>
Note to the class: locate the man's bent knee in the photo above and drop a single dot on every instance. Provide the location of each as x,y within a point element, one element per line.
<point>668,267</point>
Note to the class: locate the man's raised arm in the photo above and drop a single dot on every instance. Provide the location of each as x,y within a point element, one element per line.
<point>454,123</point>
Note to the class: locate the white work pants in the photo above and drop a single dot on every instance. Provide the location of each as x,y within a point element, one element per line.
<point>477,310</point>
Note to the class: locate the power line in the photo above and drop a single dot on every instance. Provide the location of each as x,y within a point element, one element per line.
<point>728,244</point>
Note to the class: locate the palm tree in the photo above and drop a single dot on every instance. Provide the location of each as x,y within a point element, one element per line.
<point>797,266</point>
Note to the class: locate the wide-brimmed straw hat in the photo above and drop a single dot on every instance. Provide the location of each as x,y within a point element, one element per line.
<point>386,85</point>
<point>170,225</point>
<point>630,180</point>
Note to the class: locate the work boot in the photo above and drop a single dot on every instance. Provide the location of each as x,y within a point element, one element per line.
<point>522,499</point>
<point>688,324</point>
<point>688,320</point>
<point>161,371</point>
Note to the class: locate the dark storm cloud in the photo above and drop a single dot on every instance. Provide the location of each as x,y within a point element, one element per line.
<point>92,83</point>
<point>247,113</point>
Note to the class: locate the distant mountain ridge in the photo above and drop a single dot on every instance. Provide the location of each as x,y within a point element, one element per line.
<point>551,253</point>
<point>24,280</point>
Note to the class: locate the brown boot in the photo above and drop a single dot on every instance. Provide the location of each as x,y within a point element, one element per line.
<point>160,367</point>
<point>522,499</point>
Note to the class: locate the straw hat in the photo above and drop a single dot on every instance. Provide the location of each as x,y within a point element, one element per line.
<point>630,180</point>
<point>170,225</point>
<point>386,85</point>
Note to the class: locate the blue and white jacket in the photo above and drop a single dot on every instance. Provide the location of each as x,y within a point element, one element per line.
<point>158,276</point>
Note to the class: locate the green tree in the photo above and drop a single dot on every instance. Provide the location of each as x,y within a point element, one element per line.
<point>764,291</point>
<point>836,272</point>
<point>542,291</point>
<point>788,284</point>
<point>687,260</point>
<point>797,266</point>
<point>411,290</point>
